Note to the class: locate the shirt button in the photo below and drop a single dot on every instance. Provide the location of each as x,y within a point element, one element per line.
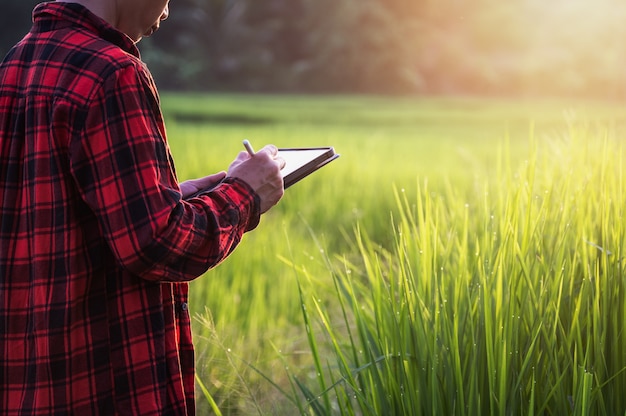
<point>184,306</point>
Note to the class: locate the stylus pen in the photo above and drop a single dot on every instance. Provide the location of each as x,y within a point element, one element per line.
<point>248,147</point>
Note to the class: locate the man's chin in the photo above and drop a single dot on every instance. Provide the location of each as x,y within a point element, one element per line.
<point>151,31</point>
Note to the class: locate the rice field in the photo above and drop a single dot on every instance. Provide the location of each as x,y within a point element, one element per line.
<point>463,256</point>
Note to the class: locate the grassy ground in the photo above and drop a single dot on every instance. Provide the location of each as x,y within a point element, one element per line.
<point>463,256</point>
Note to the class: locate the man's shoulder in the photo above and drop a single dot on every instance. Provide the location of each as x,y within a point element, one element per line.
<point>69,64</point>
<point>84,50</point>
<point>89,62</point>
<point>66,31</point>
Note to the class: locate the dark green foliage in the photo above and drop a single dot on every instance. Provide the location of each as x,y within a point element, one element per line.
<point>518,47</point>
<point>15,20</point>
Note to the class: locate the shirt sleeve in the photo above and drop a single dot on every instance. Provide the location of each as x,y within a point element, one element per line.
<point>125,173</point>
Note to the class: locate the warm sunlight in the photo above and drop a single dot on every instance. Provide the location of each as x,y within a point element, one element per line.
<point>572,44</point>
<point>524,46</point>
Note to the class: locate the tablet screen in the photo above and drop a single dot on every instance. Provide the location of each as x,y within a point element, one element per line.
<point>297,158</point>
<point>300,162</point>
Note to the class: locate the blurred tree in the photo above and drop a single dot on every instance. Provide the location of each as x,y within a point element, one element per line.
<point>283,45</point>
<point>517,47</point>
<point>360,46</point>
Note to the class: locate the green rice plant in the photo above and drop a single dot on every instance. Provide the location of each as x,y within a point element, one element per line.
<point>491,266</point>
<point>511,301</point>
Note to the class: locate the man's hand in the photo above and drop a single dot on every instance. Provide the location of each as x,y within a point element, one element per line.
<point>192,186</point>
<point>262,173</point>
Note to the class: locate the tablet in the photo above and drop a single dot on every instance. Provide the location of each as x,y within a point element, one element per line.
<point>300,162</point>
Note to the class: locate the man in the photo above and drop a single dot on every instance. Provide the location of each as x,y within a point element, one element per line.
<point>97,237</point>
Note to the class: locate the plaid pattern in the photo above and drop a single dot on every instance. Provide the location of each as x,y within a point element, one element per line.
<point>96,244</point>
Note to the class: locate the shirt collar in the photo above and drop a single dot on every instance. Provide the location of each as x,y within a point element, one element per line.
<point>58,15</point>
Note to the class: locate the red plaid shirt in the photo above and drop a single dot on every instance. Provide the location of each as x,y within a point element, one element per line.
<point>96,243</point>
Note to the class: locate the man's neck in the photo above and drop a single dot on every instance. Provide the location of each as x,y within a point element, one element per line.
<point>105,9</point>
